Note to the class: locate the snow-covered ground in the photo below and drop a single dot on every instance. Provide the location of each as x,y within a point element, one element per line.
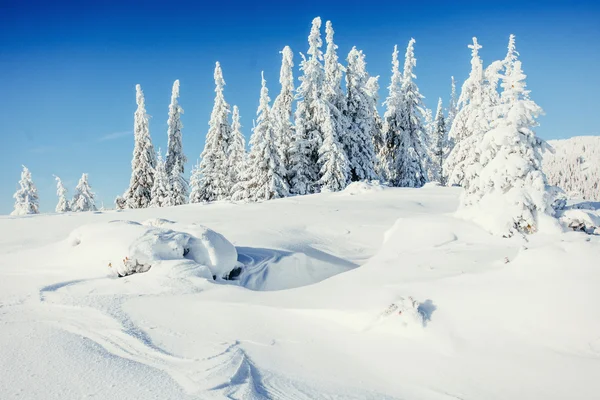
<point>369,293</point>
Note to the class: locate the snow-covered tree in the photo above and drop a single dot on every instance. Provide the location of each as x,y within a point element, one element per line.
<point>377,133</point>
<point>138,195</point>
<point>120,203</point>
<point>387,156</point>
<point>358,139</point>
<point>161,190</point>
<point>63,204</point>
<point>335,168</point>
<point>470,124</point>
<point>174,143</point>
<point>26,197</point>
<point>411,157</point>
<point>215,182</point>
<point>237,149</point>
<point>452,106</point>
<point>195,185</point>
<point>310,115</point>
<point>84,197</point>
<point>179,186</point>
<point>282,108</point>
<point>510,193</point>
<point>264,177</point>
<point>440,146</point>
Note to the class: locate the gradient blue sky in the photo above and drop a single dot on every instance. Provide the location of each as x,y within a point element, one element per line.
<point>68,69</point>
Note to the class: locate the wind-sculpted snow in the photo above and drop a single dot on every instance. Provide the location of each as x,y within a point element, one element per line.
<point>381,295</point>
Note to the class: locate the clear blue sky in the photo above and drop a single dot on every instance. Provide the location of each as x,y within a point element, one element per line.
<point>68,69</point>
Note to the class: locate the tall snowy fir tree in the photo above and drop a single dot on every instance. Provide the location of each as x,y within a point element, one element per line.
<point>282,108</point>
<point>309,118</point>
<point>237,149</point>
<point>138,195</point>
<point>175,156</point>
<point>333,96</point>
<point>335,169</point>
<point>26,197</point>
<point>412,157</point>
<point>161,190</point>
<point>358,138</point>
<point>215,182</point>
<point>440,146</point>
<point>452,106</point>
<point>174,136</point>
<point>429,142</point>
<point>510,185</point>
<point>377,133</point>
<point>179,186</point>
<point>84,197</point>
<point>470,124</point>
<point>264,177</point>
<point>195,185</point>
<point>63,204</point>
<point>388,154</point>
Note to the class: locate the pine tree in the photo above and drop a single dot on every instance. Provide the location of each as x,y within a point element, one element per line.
<point>237,149</point>
<point>264,177</point>
<point>335,169</point>
<point>282,109</point>
<point>387,156</point>
<point>429,142</point>
<point>510,184</point>
<point>26,198</point>
<point>310,114</point>
<point>377,133</point>
<point>412,157</point>
<point>84,197</point>
<point>440,146</point>
<point>195,185</point>
<point>138,195</point>
<point>215,182</point>
<point>179,186</point>
<point>358,140</point>
<point>162,195</point>
<point>174,143</point>
<point>63,204</point>
<point>452,106</point>
<point>470,124</point>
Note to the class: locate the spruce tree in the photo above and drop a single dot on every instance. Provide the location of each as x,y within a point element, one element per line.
<point>264,177</point>
<point>452,106</point>
<point>510,184</point>
<point>358,140</point>
<point>282,109</point>
<point>388,154</point>
<point>138,195</point>
<point>377,133</point>
<point>335,169</point>
<point>63,204</point>
<point>162,195</point>
<point>470,124</point>
<point>309,118</point>
<point>84,197</point>
<point>179,186</point>
<point>195,185</point>
<point>26,197</point>
<point>412,157</point>
<point>215,182</point>
<point>440,146</point>
<point>237,149</point>
<point>174,137</point>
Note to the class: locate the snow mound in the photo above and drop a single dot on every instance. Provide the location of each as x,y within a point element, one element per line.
<point>126,244</point>
<point>363,187</point>
<point>405,312</point>
<point>587,221</point>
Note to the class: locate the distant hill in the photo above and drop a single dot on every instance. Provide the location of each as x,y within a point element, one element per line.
<point>575,166</point>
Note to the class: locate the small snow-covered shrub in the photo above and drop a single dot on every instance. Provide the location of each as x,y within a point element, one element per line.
<point>405,311</point>
<point>587,221</point>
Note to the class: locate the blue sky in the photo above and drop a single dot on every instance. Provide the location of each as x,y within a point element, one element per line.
<point>68,69</point>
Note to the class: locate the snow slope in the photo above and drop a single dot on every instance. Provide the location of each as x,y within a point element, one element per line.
<point>371,293</point>
<point>575,166</point>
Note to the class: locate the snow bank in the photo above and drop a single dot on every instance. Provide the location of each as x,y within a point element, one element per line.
<point>109,244</point>
<point>363,187</point>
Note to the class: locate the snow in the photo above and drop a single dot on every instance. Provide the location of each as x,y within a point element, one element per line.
<point>383,294</point>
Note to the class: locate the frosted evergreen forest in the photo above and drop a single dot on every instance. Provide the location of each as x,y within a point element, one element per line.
<point>327,133</point>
